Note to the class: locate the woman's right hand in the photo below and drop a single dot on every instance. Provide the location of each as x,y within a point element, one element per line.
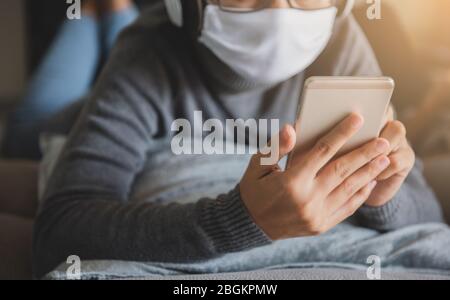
<point>317,192</point>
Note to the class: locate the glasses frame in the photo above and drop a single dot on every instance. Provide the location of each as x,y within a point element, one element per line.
<point>267,3</point>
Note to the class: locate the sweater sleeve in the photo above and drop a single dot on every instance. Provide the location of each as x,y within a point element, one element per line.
<point>87,211</point>
<point>415,203</point>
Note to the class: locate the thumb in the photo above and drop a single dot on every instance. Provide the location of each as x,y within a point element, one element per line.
<point>280,145</point>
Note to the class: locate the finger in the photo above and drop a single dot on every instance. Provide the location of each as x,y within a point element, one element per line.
<point>395,133</point>
<point>336,172</point>
<point>356,182</point>
<point>286,139</point>
<point>328,146</point>
<point>400,161</point>
<point>352,205</point>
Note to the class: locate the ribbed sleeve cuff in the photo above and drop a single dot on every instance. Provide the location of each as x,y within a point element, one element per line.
<point>229,225</point>
<point>385,215</point>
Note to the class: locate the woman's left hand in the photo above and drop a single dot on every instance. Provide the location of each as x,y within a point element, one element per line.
<point>402,159</point>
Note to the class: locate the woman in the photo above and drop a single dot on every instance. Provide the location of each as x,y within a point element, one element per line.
<point>214,64</point>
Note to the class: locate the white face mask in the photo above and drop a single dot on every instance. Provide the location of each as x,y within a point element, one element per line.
<point>267,46</point>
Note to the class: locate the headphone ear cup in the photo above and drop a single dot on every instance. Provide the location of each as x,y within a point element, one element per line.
<point>175,11</point>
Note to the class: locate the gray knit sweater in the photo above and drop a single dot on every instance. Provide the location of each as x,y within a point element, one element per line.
<point>156,75</point>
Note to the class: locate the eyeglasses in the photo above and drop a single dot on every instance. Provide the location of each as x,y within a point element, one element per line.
<point>245,6</point>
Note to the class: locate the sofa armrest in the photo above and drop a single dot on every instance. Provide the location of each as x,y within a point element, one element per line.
<point>15,247</point>
<point>437,173</point>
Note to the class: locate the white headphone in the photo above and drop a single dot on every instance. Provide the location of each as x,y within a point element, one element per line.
<point>175,10</point>
<point>347,9</point>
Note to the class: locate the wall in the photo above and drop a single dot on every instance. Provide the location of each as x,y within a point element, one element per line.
<point>427,22</point>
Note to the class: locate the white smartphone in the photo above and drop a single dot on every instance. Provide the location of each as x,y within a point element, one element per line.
<point>326,101</point>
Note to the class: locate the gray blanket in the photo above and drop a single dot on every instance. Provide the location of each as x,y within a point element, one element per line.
<point>422,249</point>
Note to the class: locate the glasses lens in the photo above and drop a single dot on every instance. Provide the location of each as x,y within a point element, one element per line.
<point>242,5</point>
<point>312,4</point>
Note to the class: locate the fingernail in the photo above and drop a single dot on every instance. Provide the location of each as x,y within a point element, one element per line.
<point>372,184</point>
<point>384,162</point>
<point>357,121</point>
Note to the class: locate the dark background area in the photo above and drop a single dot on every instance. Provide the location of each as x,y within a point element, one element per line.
<point>43,18</point>
<point>41,29</point>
